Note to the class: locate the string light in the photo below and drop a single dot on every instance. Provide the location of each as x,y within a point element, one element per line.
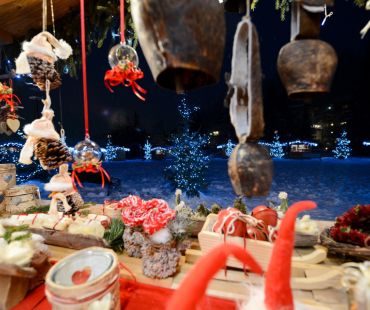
<point>276,148</point>
<point>111,151</point>
<point>342,149</point>
<point>366,143</point>
<point>147,150</point>
<point>187,172</point>
<point>228,147</point>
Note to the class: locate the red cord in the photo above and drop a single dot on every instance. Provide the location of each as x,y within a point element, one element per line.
<point>122,21</point>
<point>84,77</point>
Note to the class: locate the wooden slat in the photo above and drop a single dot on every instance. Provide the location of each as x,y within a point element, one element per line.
<point>19,16</point>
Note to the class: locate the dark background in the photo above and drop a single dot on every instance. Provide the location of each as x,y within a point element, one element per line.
<point>130,121</point>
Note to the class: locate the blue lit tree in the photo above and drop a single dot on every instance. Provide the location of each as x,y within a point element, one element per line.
<point>190,163</point>
<point>147,150</point>
<point>111,151</point>
<point>342,146</point>
<point>276,147</point>
<point>228,147</point>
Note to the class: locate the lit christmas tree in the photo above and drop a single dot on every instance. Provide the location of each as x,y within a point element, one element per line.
<point>342,149</point>
<point>228,147</point>
<point>276,147</point>
<point>111,151</point>
<point>187,172</point>
<point>147,150</point>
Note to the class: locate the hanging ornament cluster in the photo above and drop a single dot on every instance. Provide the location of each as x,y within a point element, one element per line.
<point>9,104</point>
<point>124,62</point>
<point>86,153</point>
<point>307,65</point>
<point>250,166</point>
<point>38,58</point>
<point>43,141</point>
<point>183,41</point>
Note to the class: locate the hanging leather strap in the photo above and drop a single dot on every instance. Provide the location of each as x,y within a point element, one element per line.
<point>246,106</point>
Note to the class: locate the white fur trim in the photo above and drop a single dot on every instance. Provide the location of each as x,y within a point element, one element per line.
<point>30,47</point>
<point>22,65</point>
<point>64,50</point>
<point>47,134</point>
<point>26,152</point>
<point>161,236</point>
<point>58,187</point>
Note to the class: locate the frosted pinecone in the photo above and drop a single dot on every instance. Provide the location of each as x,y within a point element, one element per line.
<point>43,70</point>
<point>52,153</point>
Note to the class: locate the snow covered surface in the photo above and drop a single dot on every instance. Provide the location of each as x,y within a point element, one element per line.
<point>336,185</point>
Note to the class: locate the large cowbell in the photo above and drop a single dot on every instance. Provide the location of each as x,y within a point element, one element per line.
<point>250,166</point>
<point>307,65</point>
<point>182,40</point>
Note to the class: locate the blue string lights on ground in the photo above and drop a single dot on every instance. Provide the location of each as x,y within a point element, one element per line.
<point>190,162</point>
<point>366,143</point>
<point>342,149</point>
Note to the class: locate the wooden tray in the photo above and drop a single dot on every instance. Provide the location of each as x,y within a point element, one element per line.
<point>345,250</point>
<point>261,250</point>
<point>67,240</point>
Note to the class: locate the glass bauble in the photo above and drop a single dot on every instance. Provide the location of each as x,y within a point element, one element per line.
<point>87,151</point>
<point>120,54</point>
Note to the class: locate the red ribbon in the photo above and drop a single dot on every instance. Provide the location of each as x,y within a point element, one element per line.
<point>9,98</point>
<point>88,168</point>
<point>127,76</point>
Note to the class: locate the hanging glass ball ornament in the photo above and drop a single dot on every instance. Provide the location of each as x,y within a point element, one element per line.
<point>87,151</point>
<point>121,54</point>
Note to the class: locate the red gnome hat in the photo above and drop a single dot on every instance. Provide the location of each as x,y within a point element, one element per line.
<point>278,293</point>
<point>194,286</point>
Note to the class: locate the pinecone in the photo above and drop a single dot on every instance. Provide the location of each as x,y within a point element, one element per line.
<point>52,153</point>
<point>41,71</point>
<point>75,201</point>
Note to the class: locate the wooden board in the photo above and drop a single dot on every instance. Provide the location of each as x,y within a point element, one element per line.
<point>70,241</point>
<point>19,16</point>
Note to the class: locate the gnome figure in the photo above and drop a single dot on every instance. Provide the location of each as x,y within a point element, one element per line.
<point>44,141</point>
<point>38,58</point>
<point>63,196</point>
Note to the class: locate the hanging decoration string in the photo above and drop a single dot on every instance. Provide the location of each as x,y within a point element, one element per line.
<point>84,77</point>
<point>122,21</point>
<point>326,15</point>
<point>44,15</point>
<point>248,13</point>
<point>52,15</point>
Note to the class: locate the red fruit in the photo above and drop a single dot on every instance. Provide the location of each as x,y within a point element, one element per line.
<point>222,224</point>
<point>257,233</point>
<point>267,215</point>
<point>81,276</point>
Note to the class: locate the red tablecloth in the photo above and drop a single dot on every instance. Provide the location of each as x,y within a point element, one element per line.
<point>134,296</point>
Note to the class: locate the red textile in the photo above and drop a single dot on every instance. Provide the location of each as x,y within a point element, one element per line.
<point>134,296</point>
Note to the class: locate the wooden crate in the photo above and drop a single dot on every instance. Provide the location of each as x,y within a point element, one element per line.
<point>7,180</point>
<point>19,199</point>
<point>261,250</point>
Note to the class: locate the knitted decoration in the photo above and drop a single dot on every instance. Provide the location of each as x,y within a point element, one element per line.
<point>133,241</point>
<point>51,153</point>
<point>41,71</point>
<point>160,261</point>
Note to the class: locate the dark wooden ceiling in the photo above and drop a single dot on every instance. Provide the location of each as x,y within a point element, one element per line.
<point>17,17</point>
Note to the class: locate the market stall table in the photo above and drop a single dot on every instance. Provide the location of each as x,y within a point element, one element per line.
<point>224,288</point>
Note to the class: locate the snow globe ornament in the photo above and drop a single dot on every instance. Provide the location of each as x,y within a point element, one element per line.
<point>124,62</point>
<point>122,54</point>
<point>87,155</point>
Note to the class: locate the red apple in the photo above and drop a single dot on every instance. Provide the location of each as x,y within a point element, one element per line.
<point>239,226</point>
<point>267,215</point>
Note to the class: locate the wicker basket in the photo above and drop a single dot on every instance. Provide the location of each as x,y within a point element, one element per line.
<point>19,199</point>
<point>344,250</point>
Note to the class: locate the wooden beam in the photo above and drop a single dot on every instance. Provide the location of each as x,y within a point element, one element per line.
<point>5,38</point>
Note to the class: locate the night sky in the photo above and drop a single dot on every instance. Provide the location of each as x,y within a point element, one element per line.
<point>158,117</point>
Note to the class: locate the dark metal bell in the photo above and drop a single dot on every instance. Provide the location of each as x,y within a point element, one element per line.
<point>250,170</point>
<point>182,40</point>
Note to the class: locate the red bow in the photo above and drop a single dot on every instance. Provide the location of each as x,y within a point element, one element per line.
<point>9,98</point>
<point>88,167</point>
<point>127,76</point>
